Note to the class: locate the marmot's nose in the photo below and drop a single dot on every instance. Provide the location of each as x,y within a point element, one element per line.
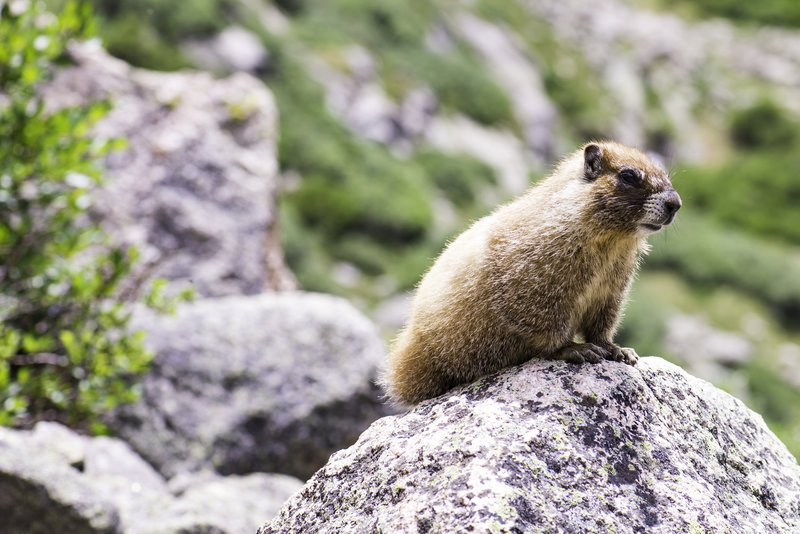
<point>672,201</point>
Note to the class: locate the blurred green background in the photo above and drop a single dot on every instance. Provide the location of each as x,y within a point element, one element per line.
<point>708,85</point>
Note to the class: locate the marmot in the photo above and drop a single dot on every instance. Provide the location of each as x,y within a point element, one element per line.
<point>524,281</point>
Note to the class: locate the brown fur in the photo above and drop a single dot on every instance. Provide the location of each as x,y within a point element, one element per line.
<point>523,282</point>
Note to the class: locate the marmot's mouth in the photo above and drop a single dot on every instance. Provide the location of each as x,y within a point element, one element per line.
<point>652,227</point>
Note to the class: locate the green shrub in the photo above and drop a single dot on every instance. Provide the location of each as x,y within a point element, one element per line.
<point>763,125</point>
<point>774,399</point>
<point>348,185</point>
<point>129,36</point>
<point>305,251</point>
<point>353,196</point>
<point>460,177</point>
<point>708,253</point>
<point>146,33</point>
<point>390,204</point>
<point>172,20</point>
<point>65,353</point>
<point>757,191</point>
<point>771,12</point>
<point>395,32</point>
<point>376,24</point>
<point>292,7</point>
<point>459,81</point>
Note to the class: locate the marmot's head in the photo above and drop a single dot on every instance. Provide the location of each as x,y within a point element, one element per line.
<point>630,192</point>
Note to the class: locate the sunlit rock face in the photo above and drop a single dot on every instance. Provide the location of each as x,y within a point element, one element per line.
<point>194,188</point>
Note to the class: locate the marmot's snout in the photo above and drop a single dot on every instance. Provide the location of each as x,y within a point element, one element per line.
<point>672,203</point>
<point>660,210</point>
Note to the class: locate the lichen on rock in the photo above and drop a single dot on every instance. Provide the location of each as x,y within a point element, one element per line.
<point>554,447</point>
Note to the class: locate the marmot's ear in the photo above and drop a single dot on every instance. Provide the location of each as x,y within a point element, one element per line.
<point>592,162</point>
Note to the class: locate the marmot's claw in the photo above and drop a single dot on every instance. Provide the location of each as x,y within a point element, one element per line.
<point>581,352</point>
<point>616,354</point>
<point>630,356</point>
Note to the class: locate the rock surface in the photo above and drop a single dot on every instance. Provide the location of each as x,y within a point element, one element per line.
<point>275,383</point>
<point>553,447</point>
<point>195,188</point>
<point>54,480</point>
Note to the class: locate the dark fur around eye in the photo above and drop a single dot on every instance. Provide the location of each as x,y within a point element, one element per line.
<point>630,177</point>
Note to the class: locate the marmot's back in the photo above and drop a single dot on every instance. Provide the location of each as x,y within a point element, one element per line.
<point>524,281</point>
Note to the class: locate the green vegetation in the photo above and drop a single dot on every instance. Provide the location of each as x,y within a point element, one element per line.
<point>350,187</point>
<point>570,81</point>
<point>765,126</point>
<point>144,32</point>
<point>376,24</point>
<point>458,84</point>
<point>759,181</point>
<point>348,184</point>
<point>749,191</point>
<point>357,203</point>
<point>770,12</point>
<point>459,177</point>
<point>711,254</point>
<point>65,353</point>
<point>395,32</point>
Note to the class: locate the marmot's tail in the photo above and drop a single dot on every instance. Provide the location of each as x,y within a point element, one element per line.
<point>408,377</point>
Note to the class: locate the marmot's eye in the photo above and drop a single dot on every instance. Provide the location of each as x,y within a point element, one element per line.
<point>630,177</point>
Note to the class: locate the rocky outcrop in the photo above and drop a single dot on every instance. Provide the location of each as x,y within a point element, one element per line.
<point>195,188</point>
<point>275,382</point>
<point>53,480</point>
<point>555,447</point>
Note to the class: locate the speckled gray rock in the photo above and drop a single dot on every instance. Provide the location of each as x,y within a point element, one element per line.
<point>194,190</point>
<point>53,480</point>
<point>554,447</point>
<point>42,490</point>
<point>275,383</point>
<point>208,498</point>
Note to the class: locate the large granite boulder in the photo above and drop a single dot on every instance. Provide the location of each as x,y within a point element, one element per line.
<point>54,480</point>
<point>195,188</point>
<point>557,447</point>
<point>275,382</point>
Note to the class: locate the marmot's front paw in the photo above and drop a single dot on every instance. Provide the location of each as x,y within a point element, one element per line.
<point>581,352</point>
<point>619,354</point>
<point>629,355</point>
